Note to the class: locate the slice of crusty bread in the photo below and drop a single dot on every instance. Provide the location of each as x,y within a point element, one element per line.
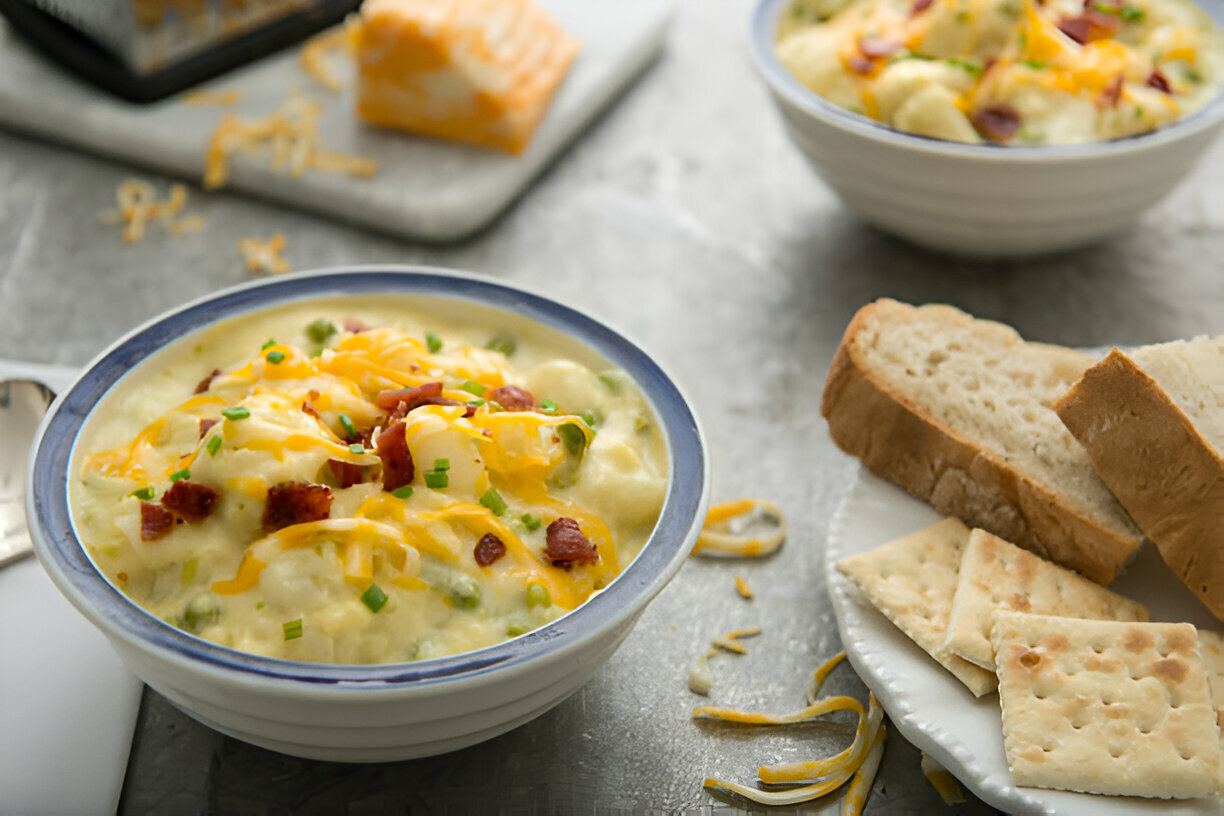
<point>1153,423</point>
<point>957,411</point>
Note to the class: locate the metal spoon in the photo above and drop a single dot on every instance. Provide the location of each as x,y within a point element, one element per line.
<point>22,405</point>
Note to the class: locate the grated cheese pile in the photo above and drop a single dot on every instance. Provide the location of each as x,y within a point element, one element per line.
<point>140,206</point>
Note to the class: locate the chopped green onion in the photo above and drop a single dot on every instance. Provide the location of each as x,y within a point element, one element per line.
<point>180,474</point>
<point>1138,112</point>
<point>573,438</point>
<point>465,593</point>
<point>473,388</point>
<point>317,351</point>
<point>271,342</point>
<point>1036,65</point>
<point>292,629</point>
<point>433,342</point>
<point>321,330</point>
<point>493,501</point>
<point>441,464</point>
<point>971,67</point>
<point>588,419</point>
<point>495,406</point>
<point>1192,76</point>
<point>237,412</point>
<point>503,343</point>
<point>259,605</point>
<point>357,447</point>
<point>548,406</point>
<point>402,492</point>
<point>275,357</point>
<point>537,595</point>
<point>347,425</point>
<point>476,403</point>
<point>144,494</point>
<point>530,522</point>
<point>188,572</point>
<point>374,598</point>
<point>1131,14</point>
<point>436,479</point>
<point>213,445</point>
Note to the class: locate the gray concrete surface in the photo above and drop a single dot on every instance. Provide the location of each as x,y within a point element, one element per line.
<point>687,220</point>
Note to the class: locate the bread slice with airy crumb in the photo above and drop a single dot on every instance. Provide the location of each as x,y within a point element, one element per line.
<point>957,411</point>
<point>1153,423</point>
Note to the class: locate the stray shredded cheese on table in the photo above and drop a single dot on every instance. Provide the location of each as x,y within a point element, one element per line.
<point>290,134</point>
<point>944,783</point>
<point>313,55</point>
<point>139,206</point>
<point>734,528</point>
<point>701,678</point>
<point>223,98</point>
<point>264,256</point>
<point>856,765</point>
<point>741,586</point>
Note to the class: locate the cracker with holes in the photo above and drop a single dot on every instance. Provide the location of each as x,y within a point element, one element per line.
<point>1211,647</point>
<point>1105,706</point>
<point>911,581</point>
<point>995,574</point>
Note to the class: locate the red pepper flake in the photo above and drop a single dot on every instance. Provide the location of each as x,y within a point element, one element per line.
<point>1110,97</point>
<point>878,46</point>
<point>190,500</point>
<point>206,424</point>
<point>397,466</point>
<point>295,503</point>
<point>567,545</point>
<point>206,383</point>
<point>155,521</point>
<point>513,398</point>
<point>488,549</point>
<point>998,123</point>
<point>1159,81</point>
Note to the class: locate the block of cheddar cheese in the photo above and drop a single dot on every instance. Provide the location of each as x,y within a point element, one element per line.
<point>476,71</point>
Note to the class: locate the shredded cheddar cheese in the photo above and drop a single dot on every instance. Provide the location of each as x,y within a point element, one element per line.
<point>944,783</point>
<point>745,527</point>
<point>139,206</point>
<point>203,97</point>
<point>741,586</point>
<point>264,256</point>
<point>315,52</point>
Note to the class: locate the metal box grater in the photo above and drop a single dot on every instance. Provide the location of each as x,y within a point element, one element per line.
<point>143,50</point>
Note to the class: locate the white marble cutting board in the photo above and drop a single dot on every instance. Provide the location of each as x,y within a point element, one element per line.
<point>424,188</point>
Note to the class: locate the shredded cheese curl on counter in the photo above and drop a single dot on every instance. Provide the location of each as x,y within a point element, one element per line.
<point>730,529</point>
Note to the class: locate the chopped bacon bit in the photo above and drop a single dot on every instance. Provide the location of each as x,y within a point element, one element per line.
<point>861,65</point>
<point>206,424</point>
<point>354,326</point>
<point>921,6</point>
<point>295,503</point>
<point>1077,28</point>
<point>308,408</point>
<point>206,383</point>
<point>397,467</point>
<point>122,576</point>
<point>155,521</point>
<point>999,123</point>
<point>1112,94</point>
<point>512,398</point>
<point>347,473</point>
<point>190,500</point>
<point>413,397</point>
<point>1089,26</point>
<point>1159,81</point>
<point>313,395</point>
<point>488,549</point>
<point>567,545</point>
<point>878,46</point>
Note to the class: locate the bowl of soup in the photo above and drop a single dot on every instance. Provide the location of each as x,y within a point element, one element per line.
<point>999,128</point>
<point>367,514</point>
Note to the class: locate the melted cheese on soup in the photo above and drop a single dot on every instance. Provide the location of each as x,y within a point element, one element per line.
<point>359,495</point>
<point>1006,71</point>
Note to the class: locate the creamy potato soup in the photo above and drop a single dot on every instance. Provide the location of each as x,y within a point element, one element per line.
<point>367,481</point>
<point>1006,71</point>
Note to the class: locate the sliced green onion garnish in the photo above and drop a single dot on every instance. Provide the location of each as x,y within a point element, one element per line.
<point>573,438</point>
<point>436,479</point>
<point>441,464</point>
<point>402,492</point>
<point>180,474</point>
<point>347,425</point>
<point>433,342</point>
<point>493,500</point>
<point>548,406</point>
<point>537,595</point>
<point>374,598</point>
<point>271,342</point>
<point>588,419</point>
<point>530,522</point>
<point>503,343</point>
<point>275,357</point>
<point>473,388</point>
<point>237,412</point>
<point>476,403</point>
<point>144,494</point>
<point>213,445</point>
<point>321,330</point>
<point>357,447</point>
<point>292,629</point>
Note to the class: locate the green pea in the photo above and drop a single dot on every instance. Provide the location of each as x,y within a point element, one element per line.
<point>537,595</point>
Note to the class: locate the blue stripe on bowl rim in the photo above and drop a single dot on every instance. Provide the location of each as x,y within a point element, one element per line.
<point>87,588</point>
<point>782,82</point>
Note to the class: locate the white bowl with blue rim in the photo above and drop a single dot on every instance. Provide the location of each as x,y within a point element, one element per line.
<point>366,713</point>
<point>982,200</point>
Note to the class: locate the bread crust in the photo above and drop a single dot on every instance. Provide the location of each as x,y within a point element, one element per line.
<point>897,441</point>
<point>1151,456</point>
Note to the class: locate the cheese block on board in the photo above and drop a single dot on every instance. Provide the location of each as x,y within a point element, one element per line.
<point>476,71</point>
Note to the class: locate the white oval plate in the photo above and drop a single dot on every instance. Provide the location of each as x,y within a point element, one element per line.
<point>928,705</point>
